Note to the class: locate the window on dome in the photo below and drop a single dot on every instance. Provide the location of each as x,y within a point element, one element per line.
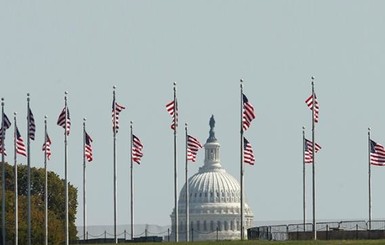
<point>211,154</point>
<point>198,225</point>
<point>226,226</point>
<point>232,225</point>
<point>205,225</point>
<point>219,227</point>
<point>212,225</point>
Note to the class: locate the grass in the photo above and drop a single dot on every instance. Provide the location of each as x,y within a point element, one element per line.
<point>257,242</point>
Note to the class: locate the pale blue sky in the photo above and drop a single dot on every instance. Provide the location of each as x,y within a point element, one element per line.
<point>142,47</point>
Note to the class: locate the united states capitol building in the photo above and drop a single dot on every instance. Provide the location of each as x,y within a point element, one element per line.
<point>214,200</point>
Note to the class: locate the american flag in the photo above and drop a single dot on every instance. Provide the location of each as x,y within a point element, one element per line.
<point>248,154</point>
<point>31,125</point>
<point>20,147</point>
<point>116,109</point>
<point>172,109</point>
<point>309,102</point>
<point>377,154</point>
<point>308,151</point>
<point>88,148</point>
<point>63,122</point>
<point>47,146</point>
<point>193,146</point>
<point>5,125</point>
<point>248,113</point>
<point>137,147</point>
<point>2,149</point>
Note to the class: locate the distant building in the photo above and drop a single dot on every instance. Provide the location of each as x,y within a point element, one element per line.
<point>214,201</point>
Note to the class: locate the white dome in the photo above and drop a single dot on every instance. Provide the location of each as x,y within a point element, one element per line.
<point>213,186</point>
<point>214,201</point>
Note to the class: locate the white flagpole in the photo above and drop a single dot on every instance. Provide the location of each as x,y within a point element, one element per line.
<point>369,182</point>
<point>66,171</point>
<point>84,182</point>
<point>115,170</point>
<point>187,193</point>
<point>241,167</point>
<point>304,178</point>
<point>29,171</point>
<point>3,173</point>
<point>45,185</point>
<point>313,165</point>
<point>176,168</point>
<point>16,191</point>
<point>132,184</point>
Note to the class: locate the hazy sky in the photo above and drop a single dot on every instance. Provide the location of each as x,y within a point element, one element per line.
<point>142,47</point>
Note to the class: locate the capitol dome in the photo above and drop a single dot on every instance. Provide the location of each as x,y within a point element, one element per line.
<point>214,200</point>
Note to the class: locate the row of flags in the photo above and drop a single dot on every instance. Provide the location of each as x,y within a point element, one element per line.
<point>376,151</point>
<point>65,122</point>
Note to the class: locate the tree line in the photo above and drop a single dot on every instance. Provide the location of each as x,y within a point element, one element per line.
<point>56,206</point>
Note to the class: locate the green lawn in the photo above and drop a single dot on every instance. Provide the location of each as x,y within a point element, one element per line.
<point>335,242</point>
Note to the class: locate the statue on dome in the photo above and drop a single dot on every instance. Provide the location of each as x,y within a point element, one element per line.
<point>212,126</point>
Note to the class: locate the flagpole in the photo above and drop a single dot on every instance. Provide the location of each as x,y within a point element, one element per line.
<point>132,184</point>
<point>45,185</point>
<point>175,170</point>
<point>369,182</point>
<point>313,152</point>
<point>3,172</point>
<point>29,171</point>
<point>115,170</point>
<point>84,182</point>
<point>241,167</point>
<point>304,178</point>
<point>66,170</point>
<point>187,192</point>
<point>16,188</point>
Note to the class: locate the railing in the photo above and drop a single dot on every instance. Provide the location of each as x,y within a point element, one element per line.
<point>107,235</point>
<point>353,229</point>
<point>147,235</point>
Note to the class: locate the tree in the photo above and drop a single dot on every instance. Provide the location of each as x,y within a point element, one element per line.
<point>56,206</point>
